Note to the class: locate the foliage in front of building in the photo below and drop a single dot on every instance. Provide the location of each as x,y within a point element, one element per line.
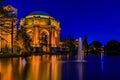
<point>5,50</point>
<point>23,40</point>
<point>69,45</point>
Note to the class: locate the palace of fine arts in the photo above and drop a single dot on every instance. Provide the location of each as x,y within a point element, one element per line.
<point>59,40</point>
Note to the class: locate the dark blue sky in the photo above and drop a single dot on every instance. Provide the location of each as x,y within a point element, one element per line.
<point>98,19</point>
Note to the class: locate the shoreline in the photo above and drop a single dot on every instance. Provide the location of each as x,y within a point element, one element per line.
<point>29,54</point>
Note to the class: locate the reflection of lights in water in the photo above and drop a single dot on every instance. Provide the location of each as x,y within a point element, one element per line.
<point>20,65</point>
<point>34,68</point>
<point>24,62</point>
<point>55,69</point>
<point>67,56</point>
<point>53,59</point>
<point>53,66</point>
<point>45,57</point>
<point>80,71</point>
<point>0,74</point>
<point>59,57</point>
<point>28,70</point>
<point>102,67</point>
<point>6,70</point>
<point>102,54</point>
<point>9,69</point>
<point>0,68</point>
<point>102,62</point>
<point>33,58</point>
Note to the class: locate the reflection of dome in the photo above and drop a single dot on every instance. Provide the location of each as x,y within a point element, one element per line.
<point>39,13</point>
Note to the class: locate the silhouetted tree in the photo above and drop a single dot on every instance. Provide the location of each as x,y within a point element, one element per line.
<point>1,2</point>
<point>2,11</point>
<point>85,44</point>
<point>112,48</point>
<point>71,45</point>
<point>95,48</point>
<point>64,45</point>
<point>24,39</point>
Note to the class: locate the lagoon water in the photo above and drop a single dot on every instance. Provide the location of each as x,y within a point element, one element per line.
<point>59,68</point>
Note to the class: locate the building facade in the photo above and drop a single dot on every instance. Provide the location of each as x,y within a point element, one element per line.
<point>8,24</point>
<point>43,29</point>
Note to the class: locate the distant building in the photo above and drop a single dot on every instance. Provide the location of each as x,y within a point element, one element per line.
<point>7,22</point>
<point>43,29</point>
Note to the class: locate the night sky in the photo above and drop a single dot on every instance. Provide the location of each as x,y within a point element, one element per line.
<point>98,19</point>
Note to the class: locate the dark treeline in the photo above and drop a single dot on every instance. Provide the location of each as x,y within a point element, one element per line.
<point>112,47</point>
<point>95,48</point>
<point>69,45</point>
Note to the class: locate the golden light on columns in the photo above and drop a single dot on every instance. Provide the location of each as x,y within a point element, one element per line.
<point>6,31</point>
<point>40,22</point>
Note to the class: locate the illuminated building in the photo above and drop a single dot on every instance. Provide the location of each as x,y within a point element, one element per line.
<point>8,23</point>
<point>43,29</point>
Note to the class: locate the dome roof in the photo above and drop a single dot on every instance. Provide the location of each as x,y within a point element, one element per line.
<point>39,13</point>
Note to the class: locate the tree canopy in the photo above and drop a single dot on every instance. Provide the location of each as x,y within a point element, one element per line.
<point>112,48</point>
<point>24,39</point>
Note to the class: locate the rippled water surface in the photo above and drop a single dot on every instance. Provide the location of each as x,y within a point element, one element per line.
<point>59,68</point>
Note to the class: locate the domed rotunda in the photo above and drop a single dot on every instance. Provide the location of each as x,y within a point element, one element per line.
<point>43,29</point>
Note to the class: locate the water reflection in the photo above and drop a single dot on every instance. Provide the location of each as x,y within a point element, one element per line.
<point>32,68</point>
<point>48,67</point>
<point>80,70</point>
<point>11,69</point>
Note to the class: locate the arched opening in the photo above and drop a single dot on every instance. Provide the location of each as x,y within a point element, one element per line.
<point>44,40</point>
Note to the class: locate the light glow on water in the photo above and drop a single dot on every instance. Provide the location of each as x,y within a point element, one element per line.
<point>54,68</point>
